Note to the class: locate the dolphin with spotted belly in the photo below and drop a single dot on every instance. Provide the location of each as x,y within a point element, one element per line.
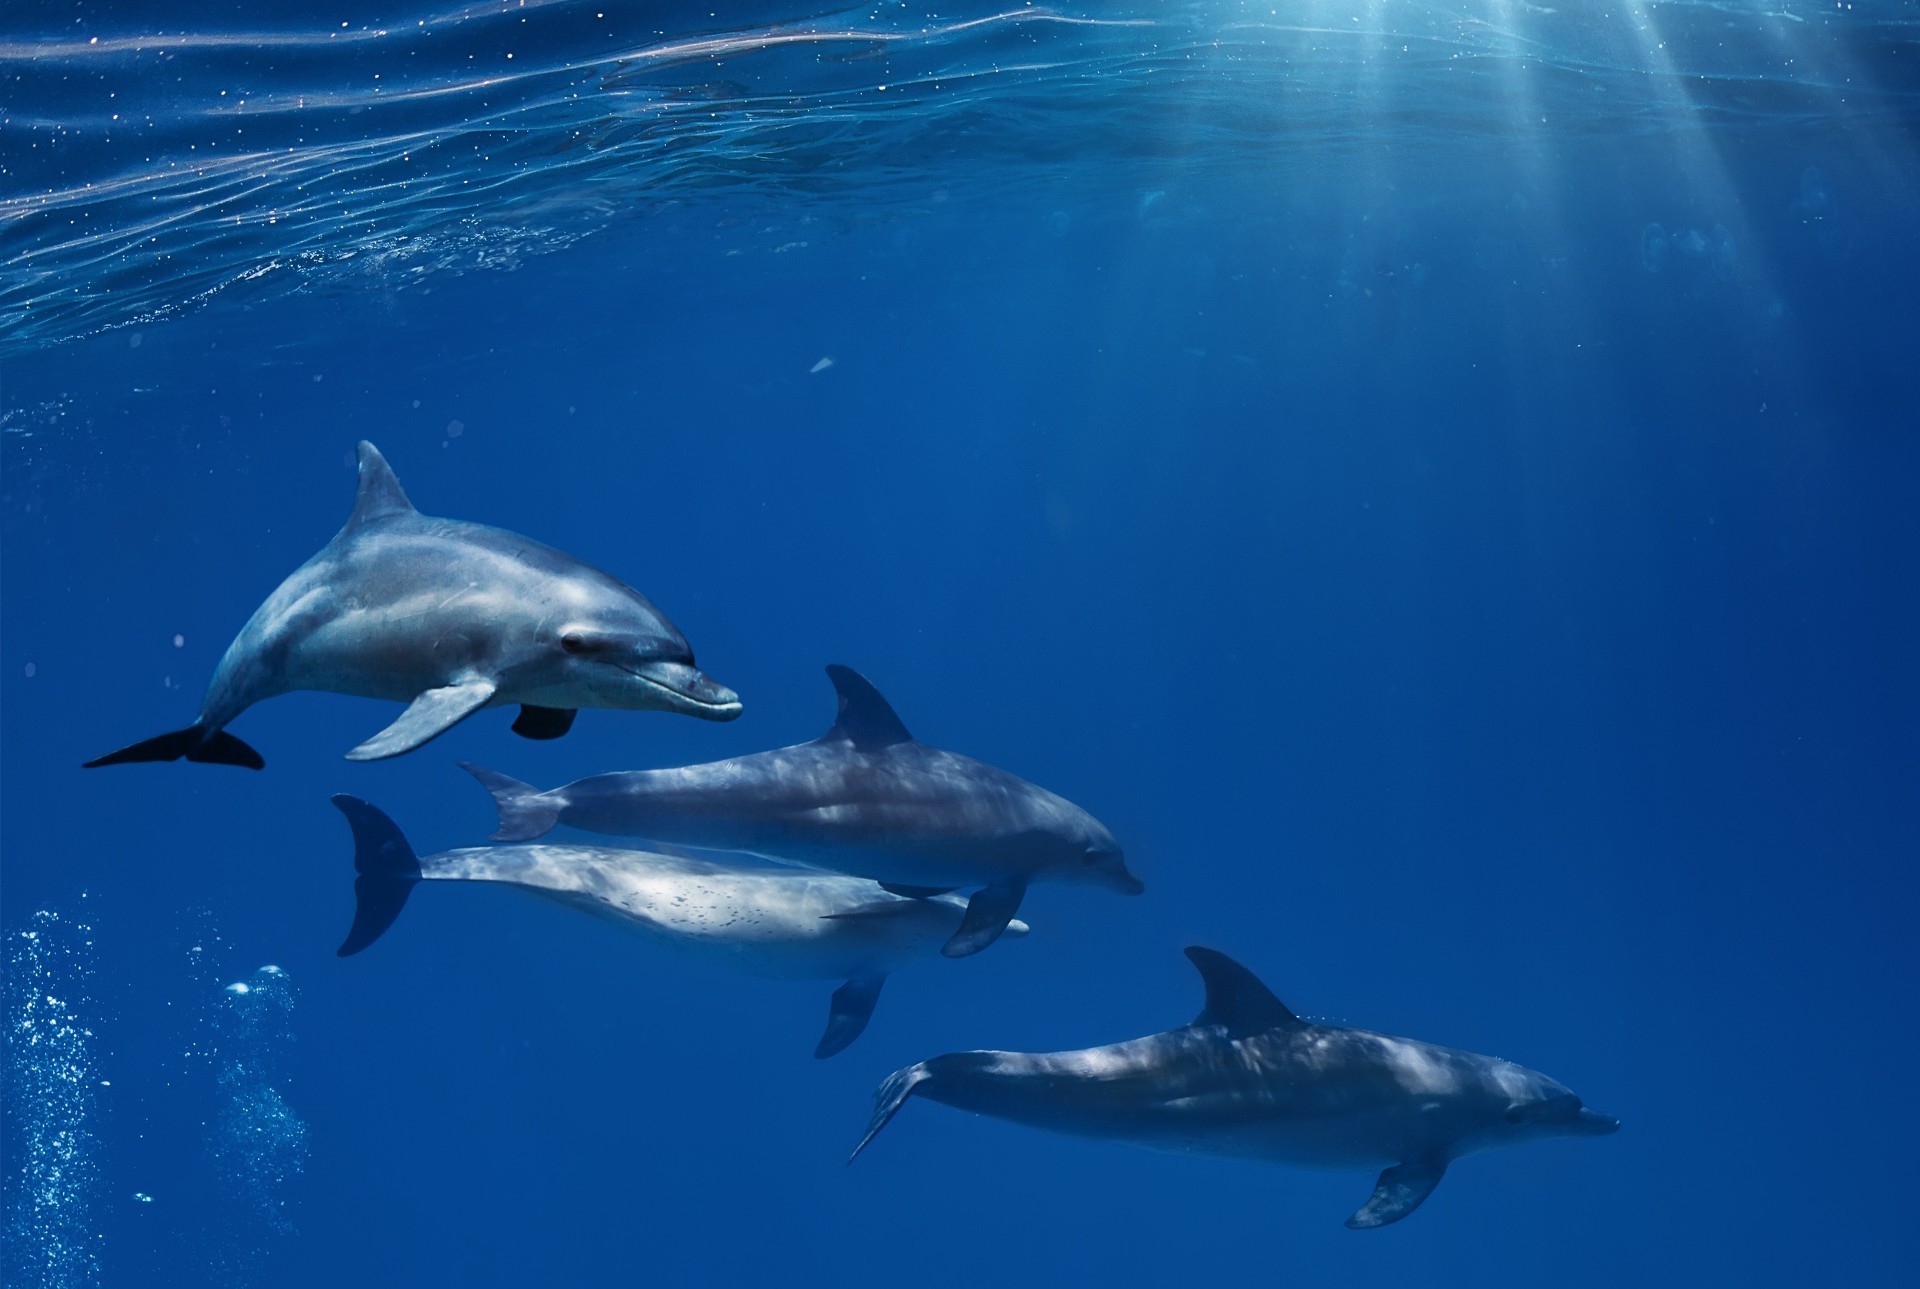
<point>448,617</point>
<point>866,799</point>
<point>1248,1079</point>
<point>783,923</point>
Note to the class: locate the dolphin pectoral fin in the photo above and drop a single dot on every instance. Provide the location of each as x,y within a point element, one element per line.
<point>874,910</point>
<point>847,1018</point>
<point>887,1100</point>
<point>1400,1190</point>
<point>914,892</point>
<point>543,722</point>
<point>988,913</point>
<point>428,716</point>
<point>193,742</point>
<point>388,870</point>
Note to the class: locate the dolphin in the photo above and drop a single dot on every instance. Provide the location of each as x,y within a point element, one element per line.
<point>865,799</point>
<point>447,617</point>
<point>1248,1079</point>
<point>787,924</point>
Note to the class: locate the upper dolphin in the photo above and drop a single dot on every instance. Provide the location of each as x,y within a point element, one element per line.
<point>865,798</point>
<point>447,617</point>
<point>778,922</point>
<point>1248,1079</point>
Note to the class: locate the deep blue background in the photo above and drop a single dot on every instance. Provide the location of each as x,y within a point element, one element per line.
<point>1483,638</point>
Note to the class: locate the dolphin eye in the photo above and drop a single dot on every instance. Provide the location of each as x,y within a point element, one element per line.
<point>573,642</point>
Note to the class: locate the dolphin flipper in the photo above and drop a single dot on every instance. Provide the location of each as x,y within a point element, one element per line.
<point>988,913</point>
<point>525,811</point>
<point>851,1010</point>
<point>388,870</point>
<point>914,892</point>
<point>1400,1190</point>
<point>193,742</point>
<point>428,716</point>
<point>543,722</point>
<point>887,1100</point>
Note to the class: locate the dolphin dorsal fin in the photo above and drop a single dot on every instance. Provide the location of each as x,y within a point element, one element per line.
<point>1236,998</point>
<point>380,492</point>
<point>865,720</point>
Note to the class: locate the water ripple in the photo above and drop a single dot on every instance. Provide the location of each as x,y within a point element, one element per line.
<point>147,172</point>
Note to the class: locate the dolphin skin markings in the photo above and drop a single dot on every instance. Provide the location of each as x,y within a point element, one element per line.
<point>447,617</point>
<point>1250,1080</point>
<point>865,799</point>
<point>786,924</point>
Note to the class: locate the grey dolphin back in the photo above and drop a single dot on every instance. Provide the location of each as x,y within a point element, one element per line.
<point>525,811</point>
<point>865,719</point>
<point>847,1016</point>
<point>1400,1190</point>
<point>387,867</point>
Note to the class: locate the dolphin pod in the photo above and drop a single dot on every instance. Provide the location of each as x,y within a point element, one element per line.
<point>865,798</point>
<point>869,831</point>
<point>447,617</point>
<point>1248,1079</point>
<point>783,923</point>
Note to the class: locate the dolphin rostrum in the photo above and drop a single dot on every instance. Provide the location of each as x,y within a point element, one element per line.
<point>788,924</point>
<point>1248,1079</point>
<point>865,799</point>
<point>447,617</point>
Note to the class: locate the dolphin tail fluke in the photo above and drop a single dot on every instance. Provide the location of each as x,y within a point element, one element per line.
<point>388,870</point>
<point>525,811</point>
<point>887,1100</point>
<point>847,1018</point>
<point>193,742</point>
<point>988,913</point>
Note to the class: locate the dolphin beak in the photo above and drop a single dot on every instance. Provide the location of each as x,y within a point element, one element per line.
<point>1119,876</point>
<point>690,690</point>
<point>1592,1123</point>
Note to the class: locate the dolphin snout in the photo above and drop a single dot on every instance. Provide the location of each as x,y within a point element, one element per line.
<point>1593,1123</point>
<point>691,690</point>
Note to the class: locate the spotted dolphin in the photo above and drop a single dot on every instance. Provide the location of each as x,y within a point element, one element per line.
<point>448,617</point>
<point>865,798</point>
<point>782,923</point>
<point>1248,1079</point>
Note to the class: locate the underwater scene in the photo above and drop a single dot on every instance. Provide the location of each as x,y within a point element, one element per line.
<point>1030,644</point>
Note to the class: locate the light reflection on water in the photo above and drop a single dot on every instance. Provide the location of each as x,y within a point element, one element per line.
<point>147,173</point>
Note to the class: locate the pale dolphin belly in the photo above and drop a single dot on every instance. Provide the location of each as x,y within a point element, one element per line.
<point>780,924</point>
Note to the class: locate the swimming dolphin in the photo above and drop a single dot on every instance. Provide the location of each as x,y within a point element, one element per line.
<point>447,617</point>
<point>1250,1080</point>
<point>788,924</point>
<point>864,798</point>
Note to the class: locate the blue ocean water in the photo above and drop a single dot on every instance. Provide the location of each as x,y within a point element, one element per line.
<point>1437,480</point>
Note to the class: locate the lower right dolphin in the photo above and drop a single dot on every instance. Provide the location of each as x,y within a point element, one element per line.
<point>1248,1079</point>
